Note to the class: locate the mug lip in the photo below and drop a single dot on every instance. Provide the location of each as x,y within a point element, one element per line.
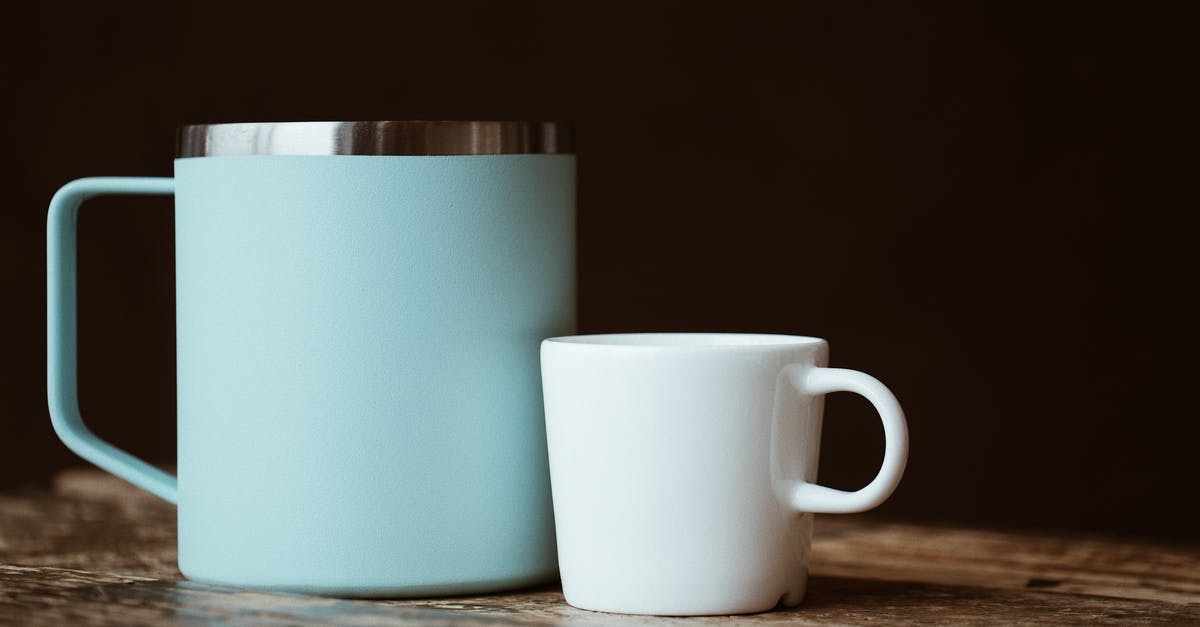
<point>374,137</point>
<point>687,340</point>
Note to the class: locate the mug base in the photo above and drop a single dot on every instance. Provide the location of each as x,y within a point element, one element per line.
<point>786,600</point>
<point>384,591</point>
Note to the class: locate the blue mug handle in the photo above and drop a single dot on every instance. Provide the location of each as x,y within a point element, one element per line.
<point>61,334</point>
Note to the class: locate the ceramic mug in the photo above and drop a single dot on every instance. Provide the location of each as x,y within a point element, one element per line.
<point>683,467</point>
<point>359,306</point>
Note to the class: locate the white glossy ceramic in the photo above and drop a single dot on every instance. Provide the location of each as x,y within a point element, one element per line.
<point>683,467</point>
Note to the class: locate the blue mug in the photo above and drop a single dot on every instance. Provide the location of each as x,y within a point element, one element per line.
<point>359,310</point>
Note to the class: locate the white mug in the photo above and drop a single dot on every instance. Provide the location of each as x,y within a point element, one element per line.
<point>683,467</point>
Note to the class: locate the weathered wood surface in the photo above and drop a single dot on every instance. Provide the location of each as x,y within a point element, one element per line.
<point>96,551</point>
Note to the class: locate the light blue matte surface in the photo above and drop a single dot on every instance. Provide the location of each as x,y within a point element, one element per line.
<point>359,401</point>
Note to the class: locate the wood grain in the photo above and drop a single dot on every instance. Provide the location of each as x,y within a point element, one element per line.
<point>98,552</point>
<point>1056,563</point>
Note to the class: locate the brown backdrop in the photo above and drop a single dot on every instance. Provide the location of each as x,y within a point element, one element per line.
<point>988,206</point>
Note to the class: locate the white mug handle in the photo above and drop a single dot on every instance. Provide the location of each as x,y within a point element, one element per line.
<point>803,496</point>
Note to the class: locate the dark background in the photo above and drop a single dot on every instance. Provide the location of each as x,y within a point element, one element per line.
<point>989,206</point>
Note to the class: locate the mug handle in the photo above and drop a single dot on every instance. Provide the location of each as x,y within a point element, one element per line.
<point>803,496</point>
<point>61,333</point>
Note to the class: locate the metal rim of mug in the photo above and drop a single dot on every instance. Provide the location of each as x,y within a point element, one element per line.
<point>384,137</point>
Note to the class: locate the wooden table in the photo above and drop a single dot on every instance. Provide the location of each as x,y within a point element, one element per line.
<point>97,551</point>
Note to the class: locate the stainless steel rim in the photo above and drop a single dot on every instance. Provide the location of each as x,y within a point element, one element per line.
<point>412,137</point>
